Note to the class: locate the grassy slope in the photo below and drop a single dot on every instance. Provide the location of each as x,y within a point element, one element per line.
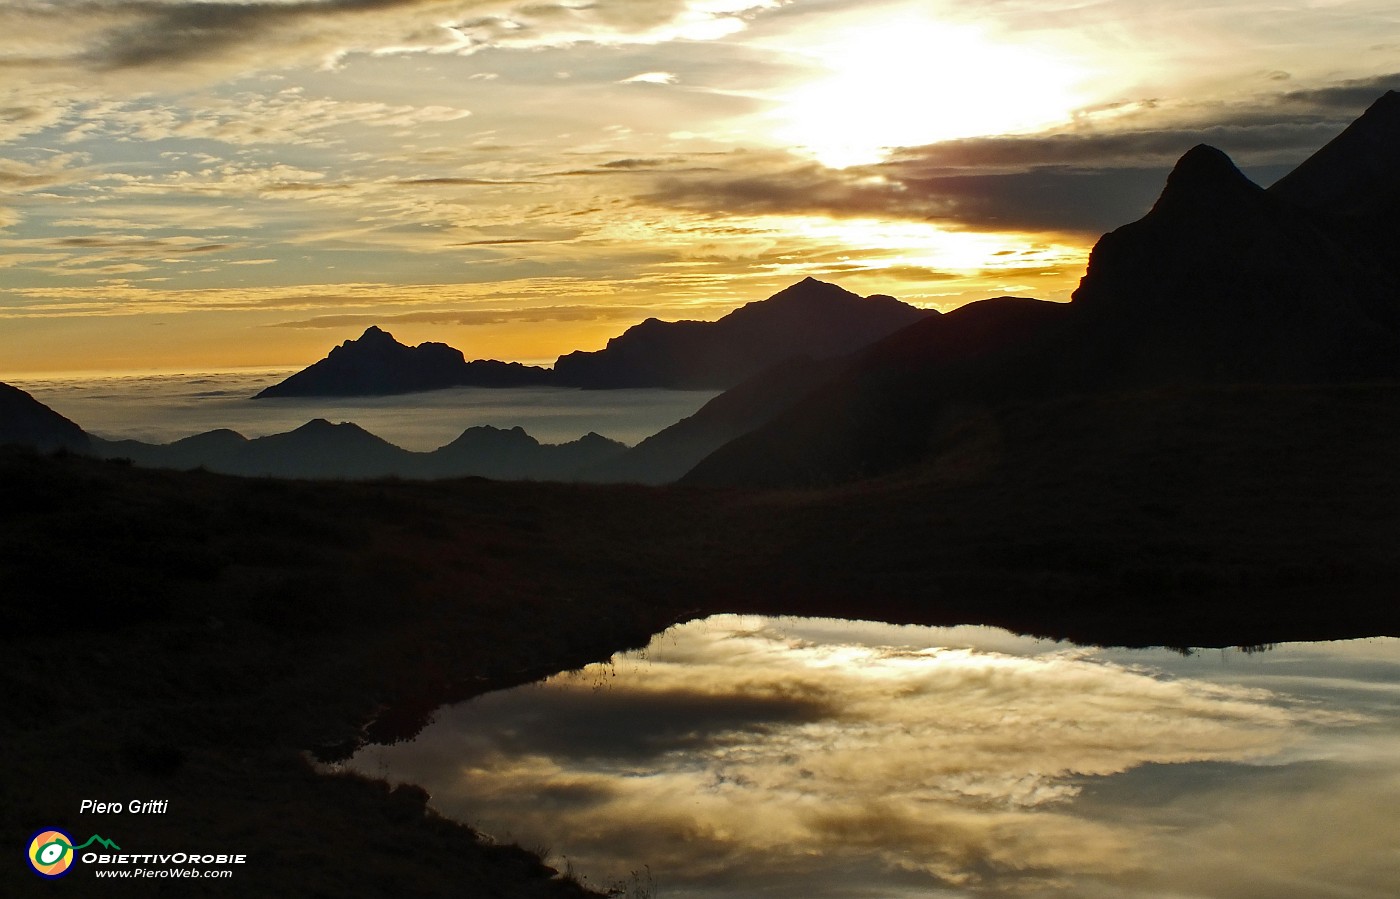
<point>188,636</point>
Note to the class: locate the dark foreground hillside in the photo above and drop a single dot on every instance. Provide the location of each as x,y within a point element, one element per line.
<point>189,636</point>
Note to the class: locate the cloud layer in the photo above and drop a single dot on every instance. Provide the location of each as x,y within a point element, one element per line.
<point>450,159</point>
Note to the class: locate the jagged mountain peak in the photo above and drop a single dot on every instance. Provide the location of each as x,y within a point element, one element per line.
<point>490,435</point>
<point>377,364</point>
<point>1205,161</point>
<point>373,336</point>
<point>810,318</point>
<point>1205,177</point>
<point>324,426</point>
<point>810,283</point>
<point>1389,101</point>
<point>1357,172</point>
<point>1383,113</point>
<point>374,332</point>
<point>809,289</point>
<point>374,340</point>
<point>1225,280</point>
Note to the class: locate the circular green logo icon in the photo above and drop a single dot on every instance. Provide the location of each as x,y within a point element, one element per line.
<point>51,853</point>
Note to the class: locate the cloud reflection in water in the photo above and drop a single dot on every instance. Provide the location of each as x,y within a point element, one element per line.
<point>752,756</point>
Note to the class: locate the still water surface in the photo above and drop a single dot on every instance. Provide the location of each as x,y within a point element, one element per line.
<point>159,408</point>
<point>748,756</point>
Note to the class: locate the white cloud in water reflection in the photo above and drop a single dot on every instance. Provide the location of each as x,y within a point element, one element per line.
<point>746,756</point>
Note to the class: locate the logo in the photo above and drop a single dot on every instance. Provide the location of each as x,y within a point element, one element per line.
<point>51,852</point>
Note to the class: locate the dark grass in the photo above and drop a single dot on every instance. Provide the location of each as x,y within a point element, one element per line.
<point>193,637</point>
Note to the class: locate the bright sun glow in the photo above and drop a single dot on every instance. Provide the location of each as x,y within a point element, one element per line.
<point>911,81</point>
<point>926,244</point>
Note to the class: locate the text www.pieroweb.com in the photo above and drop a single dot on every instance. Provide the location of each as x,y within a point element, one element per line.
<point>179,866</point>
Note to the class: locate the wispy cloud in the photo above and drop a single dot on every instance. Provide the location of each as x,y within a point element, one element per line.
<point>527,299</point>
<point>227,36</point>
<point>53,169</point>
<point>286,118</point>
<point>574,313</point>
<point>1088,179</point>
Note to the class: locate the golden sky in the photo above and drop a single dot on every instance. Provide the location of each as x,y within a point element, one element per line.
<point>213,184</point>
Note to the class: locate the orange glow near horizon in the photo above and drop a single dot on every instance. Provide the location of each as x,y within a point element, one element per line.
<point>188,343</point>
<point>715,268</point>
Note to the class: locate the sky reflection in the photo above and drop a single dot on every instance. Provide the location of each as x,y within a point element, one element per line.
<point>752,756</point>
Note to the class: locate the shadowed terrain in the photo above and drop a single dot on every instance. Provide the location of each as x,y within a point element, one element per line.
<point>188,635</point>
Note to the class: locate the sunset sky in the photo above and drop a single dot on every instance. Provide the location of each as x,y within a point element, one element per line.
<point>213,184</point>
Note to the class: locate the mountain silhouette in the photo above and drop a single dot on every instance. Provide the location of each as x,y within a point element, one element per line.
<point>1355,173</point>
<point>811,318</point>
<point>1224,281</point>
<point>1220,283</point>
<point>1353,184</point>
<point>512,454</point>
<point>217,450</point>
<point>893,402</point>
<point>317,449</point>
<point>376,364</point>
<point>320,449</point>
<point>666,455</point>
<point>24,421</point>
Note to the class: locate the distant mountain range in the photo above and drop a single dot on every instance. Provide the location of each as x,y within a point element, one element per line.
<point>811,318</point>
<point>782,335</point>
<point>376,364</point>
<point>317,449</point>
<point>1221,283</point>
<point>320,449</point>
